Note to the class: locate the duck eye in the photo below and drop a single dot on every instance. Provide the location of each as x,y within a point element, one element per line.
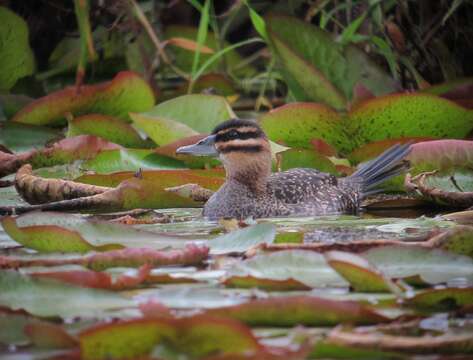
<point>233,134</point>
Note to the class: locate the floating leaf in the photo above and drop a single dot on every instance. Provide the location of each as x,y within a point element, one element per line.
<point>137,257</point>
<point>21,137</point>
<point>60,232</point>
<point>433,265</point>
<point>17,58</point>
<point>130,160</point>
<point>108,128</point>
<point>97,280</point>
<point>303,158</point>
<point>306,267</point>
<point>297,124</point>
<point>196,336</point>
<point>127,92</point>
<point>456,240</point>
<point>239,241</point>
<point>361,275</point>
<point>265,284</point>
<point>51,298</point>
<point>442,299</point>
<point>65,151</point>
<point>183,116</point>
<point>442,155</point>
<point>300,310</point>
<point>408,115</point>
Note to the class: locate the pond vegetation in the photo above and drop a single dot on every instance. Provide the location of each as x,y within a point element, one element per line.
<point>104,253</point>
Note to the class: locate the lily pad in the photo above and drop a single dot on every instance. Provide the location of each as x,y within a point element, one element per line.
<point>434,266</point>
<point>306,267</point>
<point>361,275</point>
<point>127,92</point>
<point>183,116</point>
<point>239,241</point>
<point>108,128</point>
<point>54,232</point>
<point>53,298</point>
<point>22,137</point>
<point>319,69</point>
<point>17,58</point>
<point>408,115</point>
<point>297,124</point>
<point>300,310</point>
<point>304,158</point>
<point>130,160</point>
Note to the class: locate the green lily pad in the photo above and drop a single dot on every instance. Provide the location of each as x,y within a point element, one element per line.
<point>17,58</point>
<point>22,137</point>
<point>434,266</point>
<point>300,310</point>
<point>319,69</point>
<point>44,297</point>
<point>108,128</point>
<point>408,115</point>
<point>361,275</point>
<point>241,240</point>
<point>307,267</point>
<point>297,124</point>
<point>130,160</point>
<point>182,117</point>
<point>127,92</point>
<point>61,232</point>
<point>305,158</point>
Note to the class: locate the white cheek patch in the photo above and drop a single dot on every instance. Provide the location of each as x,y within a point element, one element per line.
<point>247,142</point>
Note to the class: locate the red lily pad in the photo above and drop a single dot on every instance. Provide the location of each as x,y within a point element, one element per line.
<point>137,257</point>
<point>300,310</point>
<point>375,148</point>
<point>297,124</point>
<point>97,280</point>
<point>109,128</point>
<point>127,92</point>
<point>52,336</point>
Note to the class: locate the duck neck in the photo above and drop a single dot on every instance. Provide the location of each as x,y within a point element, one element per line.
<point>251,171</point>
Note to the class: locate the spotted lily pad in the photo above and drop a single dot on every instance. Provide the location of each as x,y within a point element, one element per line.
<point>297,124</point>
<point>408,115</point>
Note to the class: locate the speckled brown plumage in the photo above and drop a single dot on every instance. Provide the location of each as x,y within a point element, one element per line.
<point>251,189</point>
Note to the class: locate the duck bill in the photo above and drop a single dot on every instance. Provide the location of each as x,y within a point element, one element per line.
<point>205,147</point>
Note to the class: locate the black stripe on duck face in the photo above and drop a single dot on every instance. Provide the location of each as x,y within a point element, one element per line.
<point>240,148</point>
<point>234,134</point>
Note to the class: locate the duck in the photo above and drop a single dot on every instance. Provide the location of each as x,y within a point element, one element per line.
<point>252,190</point>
